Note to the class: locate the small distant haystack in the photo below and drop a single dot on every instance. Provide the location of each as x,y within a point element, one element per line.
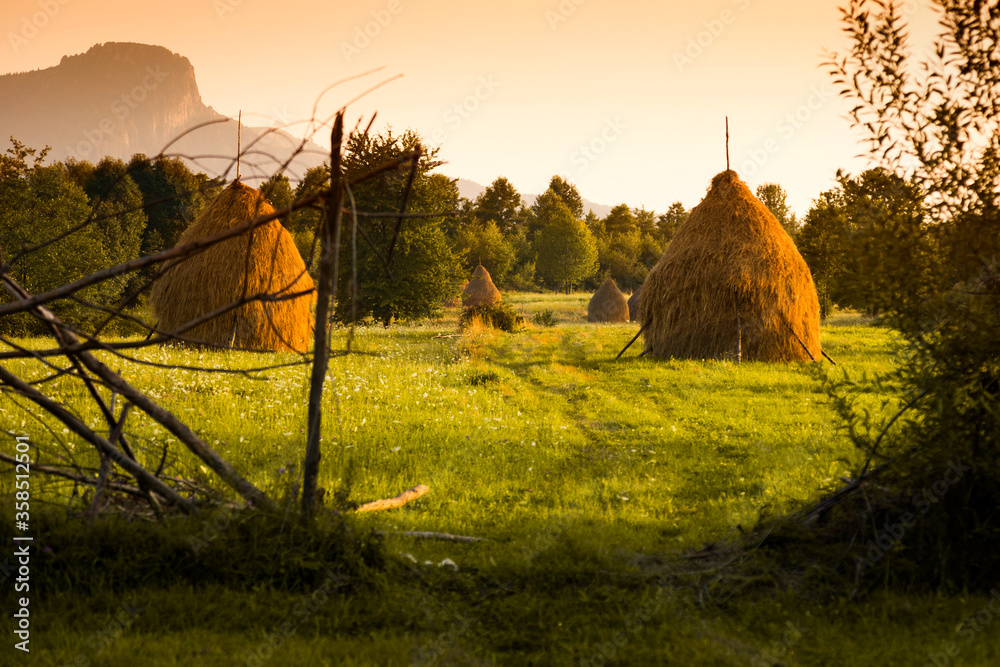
<point>731,283</point>
<point>608,304</point>
<point>633,304</point>
<point>480,291</point>
<point>262,261</point>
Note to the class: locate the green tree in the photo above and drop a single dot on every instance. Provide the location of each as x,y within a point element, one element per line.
<point>501,203</point>
<point>566,250</point>
<point>668,223</point>
<point>595,224</point>
<point>620,257</point>
<point>569,195</point>
<point>933,124</point>
<point>278,190</point>
<point>620,221</point>
<point>522,275</point>
<point>39,204</point>
<point>118,211</point>
<point>483,243</point>
<point>851,239</point>
<point>822,243</point>
<point>645,221</point>
<point>172,195</point>
<point>889,257</point>
<point>313,181</point>
<point>422,264</point>
<point>775,199</point>
<point>80,171</point>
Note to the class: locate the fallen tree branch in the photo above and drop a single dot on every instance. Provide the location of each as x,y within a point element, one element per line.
<point>398,501</point>
<point>77,426</point>
<point>113,380</point>
<point>82,479</point>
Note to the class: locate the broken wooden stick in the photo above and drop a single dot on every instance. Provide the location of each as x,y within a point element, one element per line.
<point>828,357</point>
<point>398,501</point>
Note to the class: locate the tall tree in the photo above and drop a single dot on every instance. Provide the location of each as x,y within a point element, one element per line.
<point>566,250</point>
<point>118,211</point>
<point>422,264</point>
<point>620,221</point>
<point>278,190</point>
<point>569,194</point>
<point>172,195</point>
<point>645,220</point>
<point>484,244</point>
<point>501,203</point>
<point>668,223</point>
<point>934,124</point>
<point>38,205</point>
<point>850,240</point>
<point>775,199</point>
<point>822,244</point>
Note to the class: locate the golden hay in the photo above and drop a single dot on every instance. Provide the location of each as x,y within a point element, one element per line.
<point>731,276</point>
<point>480,291</point>
<point>633,304</point>
<point>481,272</point>
<point>608,304</point>
<point>264,261</point>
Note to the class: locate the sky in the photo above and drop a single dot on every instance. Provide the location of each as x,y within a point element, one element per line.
<point>627,99</point>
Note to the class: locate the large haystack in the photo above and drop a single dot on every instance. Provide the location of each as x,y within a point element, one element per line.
<point>480,291</point>
<point>731,280</point>
<point>263,261</point>
<point>633,305</point>
<point>608,304</point>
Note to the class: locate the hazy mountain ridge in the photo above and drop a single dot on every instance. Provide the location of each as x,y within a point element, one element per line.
<point>122,98</point>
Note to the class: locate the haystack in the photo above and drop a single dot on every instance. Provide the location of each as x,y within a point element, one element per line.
<point>633,305</point>
<point>731,282</point>
<point>262,261</point>
<point>608,304</point>
<point>480,291</point>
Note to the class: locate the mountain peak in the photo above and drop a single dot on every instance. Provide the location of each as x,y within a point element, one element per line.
<point>122,98</point>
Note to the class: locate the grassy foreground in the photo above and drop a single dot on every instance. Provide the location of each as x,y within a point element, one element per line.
<point>586,476</point>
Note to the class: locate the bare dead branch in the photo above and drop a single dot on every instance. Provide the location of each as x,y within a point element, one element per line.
<point>327,286</point>
<point>143,402</point>
<point>74,424</point>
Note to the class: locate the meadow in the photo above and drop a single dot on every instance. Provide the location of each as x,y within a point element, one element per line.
<point>586,478</point>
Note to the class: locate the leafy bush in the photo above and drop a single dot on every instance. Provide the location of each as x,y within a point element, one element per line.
<point>498,316</point>
<point>929,512</point>
<point>544,318</point>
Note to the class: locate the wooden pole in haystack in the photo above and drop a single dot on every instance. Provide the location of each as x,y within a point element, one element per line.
<point>727,143</point>
<point>739,338</point>
<point>239,142</point>
<point>329,234</point>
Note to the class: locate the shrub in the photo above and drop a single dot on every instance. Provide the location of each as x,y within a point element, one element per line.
<point>499,316</point>
<point>544,318</point>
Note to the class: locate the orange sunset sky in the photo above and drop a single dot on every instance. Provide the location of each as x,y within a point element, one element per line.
<point>624,98</point>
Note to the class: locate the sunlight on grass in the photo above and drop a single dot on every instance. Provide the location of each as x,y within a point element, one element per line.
<point>515,432</point>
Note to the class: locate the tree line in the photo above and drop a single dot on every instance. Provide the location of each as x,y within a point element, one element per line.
<point>142,206</point>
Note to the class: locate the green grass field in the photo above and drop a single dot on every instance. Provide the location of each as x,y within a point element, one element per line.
<point>586,476</point>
